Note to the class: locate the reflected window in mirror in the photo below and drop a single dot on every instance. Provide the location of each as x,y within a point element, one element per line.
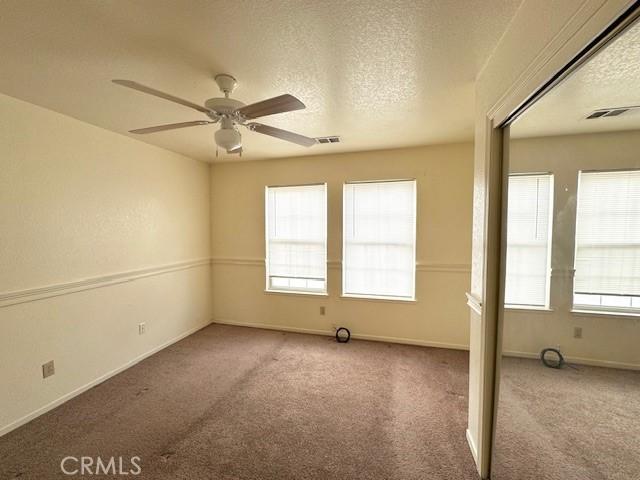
<point>607,258</point>
<point>529,226</point>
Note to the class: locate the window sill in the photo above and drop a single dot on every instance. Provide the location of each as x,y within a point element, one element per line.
<point>378,298</point>
<point>297,293</point>
<point>604,313</point>
<point>526,309</point>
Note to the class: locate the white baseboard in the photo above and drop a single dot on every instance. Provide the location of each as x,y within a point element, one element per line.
<point>356,336</point>
<point>410,341</point>
<point>593,362</point>
<point>59,401</point>
<point>472,446</point>
<point>266,326</point>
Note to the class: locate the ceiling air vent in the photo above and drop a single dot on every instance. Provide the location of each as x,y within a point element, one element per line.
<point>334,139</point>
<point>610,112</point>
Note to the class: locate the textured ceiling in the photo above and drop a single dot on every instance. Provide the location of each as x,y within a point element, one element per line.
<point>379,73</point>
<point>609,79</point>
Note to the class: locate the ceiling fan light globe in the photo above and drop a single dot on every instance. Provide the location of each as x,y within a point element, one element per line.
<point>228,138</point>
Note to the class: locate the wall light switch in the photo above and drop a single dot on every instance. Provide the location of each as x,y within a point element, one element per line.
<point>322,310</point>
<point>48,369</point>
<point>142,328</point>
<point>577,332</point>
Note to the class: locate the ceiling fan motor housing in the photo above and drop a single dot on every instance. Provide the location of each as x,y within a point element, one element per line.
<point>223,106</point>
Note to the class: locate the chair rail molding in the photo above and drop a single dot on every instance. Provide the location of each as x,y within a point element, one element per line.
<point>65,288</point>
<point>474,303</point>
<point>461,268</point>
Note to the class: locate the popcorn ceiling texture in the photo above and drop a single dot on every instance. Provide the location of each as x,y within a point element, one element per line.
<point>380,74</point>
<point>609,79</point>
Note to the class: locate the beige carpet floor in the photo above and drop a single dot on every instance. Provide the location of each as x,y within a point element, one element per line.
<point>579,423</point>
<point>240,403</point>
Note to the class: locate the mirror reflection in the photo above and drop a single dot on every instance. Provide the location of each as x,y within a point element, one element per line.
<point>569,391</point>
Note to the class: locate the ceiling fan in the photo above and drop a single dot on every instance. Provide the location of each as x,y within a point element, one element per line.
<point>229,113</point>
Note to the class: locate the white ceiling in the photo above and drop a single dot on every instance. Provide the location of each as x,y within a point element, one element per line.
<point>379,73</point>
<point>609,79</point>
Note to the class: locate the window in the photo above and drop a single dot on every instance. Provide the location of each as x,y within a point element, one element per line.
<point>296,237</point>
<point>607,259</point>
<point>379,237</point>
<point>529,226</point>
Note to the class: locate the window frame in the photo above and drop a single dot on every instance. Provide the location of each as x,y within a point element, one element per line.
<point>295,290</point>
<point>547,302</point>
<point>597,309</point>
<point>391,298</point>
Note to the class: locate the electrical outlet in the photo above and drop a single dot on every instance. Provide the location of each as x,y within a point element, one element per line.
<point>48,369</point>
<point>323,310</point>
<point>142,328</point>
<point>577,332</point>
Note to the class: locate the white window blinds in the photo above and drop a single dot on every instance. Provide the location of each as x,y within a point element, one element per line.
<point>529,225</point>
<point>607,260</point>
<point>379,233</point>
<point>296,236</point>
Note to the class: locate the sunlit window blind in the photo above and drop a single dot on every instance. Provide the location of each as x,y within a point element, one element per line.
<point>379,239</point>
<point>296,238</point>
<point>607,258</point>
<point>529,224</point>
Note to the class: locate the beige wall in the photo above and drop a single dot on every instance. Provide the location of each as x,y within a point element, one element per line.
<point>99,232</point>
<point>607,340</point>
<point>438,317</point>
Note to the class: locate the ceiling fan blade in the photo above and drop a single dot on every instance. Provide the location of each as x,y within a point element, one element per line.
<point>158,93</point>
<point>282,134</point>
<point>281,104</point>
<point>171,126</point>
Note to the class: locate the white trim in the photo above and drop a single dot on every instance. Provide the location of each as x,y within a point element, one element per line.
<point>474,303</point>
<point>267,230</point>
<point>580,28</point>
<point>39,293</point>
<point>280,328</point>
<point>462,268</point>
<point>527,309</point>
<point>443,267</point>
<point>410,341</point>
<point>246,261</point>
<point>594,312</point>
<point>379,298</point>
<point>331,333</point>
<point>549,242</point>
<point>68,396</point>
<point>392,180</point>
<point>593,362</point>
<point>297,293</point>
<point>472,446</point>
<point>414,183</point>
